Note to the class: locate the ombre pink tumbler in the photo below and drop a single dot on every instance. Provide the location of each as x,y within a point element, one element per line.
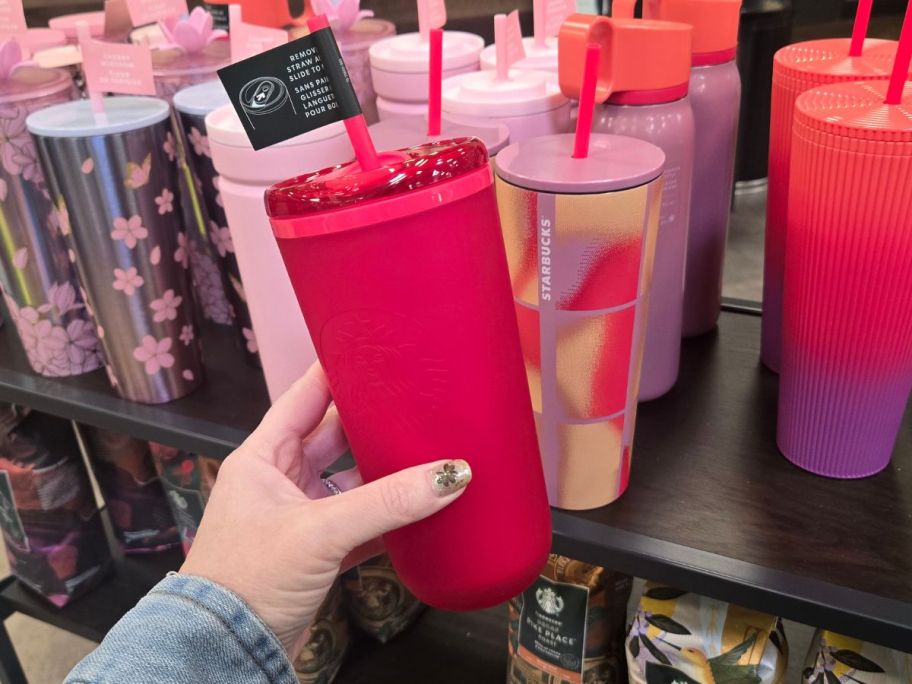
<point>847,326</point>
<point>401,274</point>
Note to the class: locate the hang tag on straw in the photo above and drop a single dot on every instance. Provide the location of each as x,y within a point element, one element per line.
<point>547,17</point>
<point>144,12</point>
<point>296,88</point>
<point>902,62</point>
<point>431,15</point>
<point>12,18</point>
<point>508,43</point>
<point>113,68</point>
<point>117,22</point>
<point>248,40</point>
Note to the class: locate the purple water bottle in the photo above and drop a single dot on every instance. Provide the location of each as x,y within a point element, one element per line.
<point>644,86</point>
<point>715,95</point>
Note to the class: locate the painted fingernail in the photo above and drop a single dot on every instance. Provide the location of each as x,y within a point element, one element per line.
<point>451,477</point>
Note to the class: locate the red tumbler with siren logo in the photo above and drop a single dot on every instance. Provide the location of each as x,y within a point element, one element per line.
<point>402,277</point>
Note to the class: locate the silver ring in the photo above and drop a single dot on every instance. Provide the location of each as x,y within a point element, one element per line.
<point>331,486</point>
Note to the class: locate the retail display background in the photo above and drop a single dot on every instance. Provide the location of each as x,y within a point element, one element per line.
<point>732,520</point>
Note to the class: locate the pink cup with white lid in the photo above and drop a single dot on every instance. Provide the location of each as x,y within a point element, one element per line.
<point>529,103</point>
<point>539,57</point>
<point>281,336</point>
<point>68,22</point>
<point>399,69</point>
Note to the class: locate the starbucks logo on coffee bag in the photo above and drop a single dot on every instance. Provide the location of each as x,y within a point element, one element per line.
<point>549,601</point>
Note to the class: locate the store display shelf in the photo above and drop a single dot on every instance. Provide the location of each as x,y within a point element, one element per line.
<point>212,420</point>
<point>712,506</point>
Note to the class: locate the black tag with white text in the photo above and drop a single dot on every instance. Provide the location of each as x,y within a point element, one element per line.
<point>291,89</point>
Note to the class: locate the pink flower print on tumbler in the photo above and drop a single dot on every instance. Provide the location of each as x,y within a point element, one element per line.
<point>138,174</point>
<point>170,146</point>
<point>250,337</point>
<point>128,280</point>
<point>129,230</point>
<point>182,253</point>
<point>199,142</point>
<point>154,354</point>
<point>221,238</point>
<point>165,201</point>
<point>166,308</point>
<point>186,335</point>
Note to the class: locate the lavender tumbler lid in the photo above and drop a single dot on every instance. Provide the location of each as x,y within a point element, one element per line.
<point>27,83</point>
<point>77,120</point>
<point>200,99</point>
<point>545,164</point>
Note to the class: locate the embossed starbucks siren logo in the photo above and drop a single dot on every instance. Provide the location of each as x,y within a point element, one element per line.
<point>382,365</point>
<point>549,601</point>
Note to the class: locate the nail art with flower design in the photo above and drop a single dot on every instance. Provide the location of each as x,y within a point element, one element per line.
<point>451,477</point>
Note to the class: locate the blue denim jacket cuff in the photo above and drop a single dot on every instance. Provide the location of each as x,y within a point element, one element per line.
<point>252,634</point>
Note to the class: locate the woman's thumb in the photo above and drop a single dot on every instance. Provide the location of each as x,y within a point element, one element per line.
<point>364,513</point>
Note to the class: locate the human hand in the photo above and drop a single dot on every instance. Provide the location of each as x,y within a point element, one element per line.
<point>273,533</point>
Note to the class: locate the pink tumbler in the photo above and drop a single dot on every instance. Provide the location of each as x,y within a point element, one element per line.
<point>847,324</point>
<point>279,333</point>
<point>402,277</point>
<point>797,68</point>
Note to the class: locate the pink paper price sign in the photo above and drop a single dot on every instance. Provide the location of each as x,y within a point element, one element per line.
<point>117,68</point>
<point>12,18</point>
<point>548,15</point>
<point>144,12</point>
<point>431,15</point>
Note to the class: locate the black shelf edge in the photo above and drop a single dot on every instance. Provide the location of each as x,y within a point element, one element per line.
<point>213,420</point>
<point>820,604</point>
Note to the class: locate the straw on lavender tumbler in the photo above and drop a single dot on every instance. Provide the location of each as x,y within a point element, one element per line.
<point>37,279</point>
<point>115,186</point>
<point>846,354</point>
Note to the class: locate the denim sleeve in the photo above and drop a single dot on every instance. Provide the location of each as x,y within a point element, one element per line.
<point>187,630</point>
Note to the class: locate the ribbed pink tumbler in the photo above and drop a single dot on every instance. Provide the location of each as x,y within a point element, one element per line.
<point>847,325</point>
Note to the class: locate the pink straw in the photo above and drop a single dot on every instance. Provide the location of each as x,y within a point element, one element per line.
<point>903,60</point>
<point>355,126</point>
<point>587,102</point>
<point>500,46</point>
<point>860,29</point>
<point>435,82</point>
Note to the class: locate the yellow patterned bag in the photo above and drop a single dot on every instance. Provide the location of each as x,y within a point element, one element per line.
<point>681,638</point>
<point>324,652</point>
<point>837,659</point>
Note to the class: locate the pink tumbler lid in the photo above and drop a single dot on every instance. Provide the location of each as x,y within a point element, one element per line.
<point>36,39</point>
<point>614,163</point>
<point>177,62</point>
<point>408,52</point>
<point>29,83</point>
<point>856,111</point>
<point>828,60</point>
<point>67,23</point>
<point>408,182</point>
<point>410,131</point>
<point>524,92</point>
